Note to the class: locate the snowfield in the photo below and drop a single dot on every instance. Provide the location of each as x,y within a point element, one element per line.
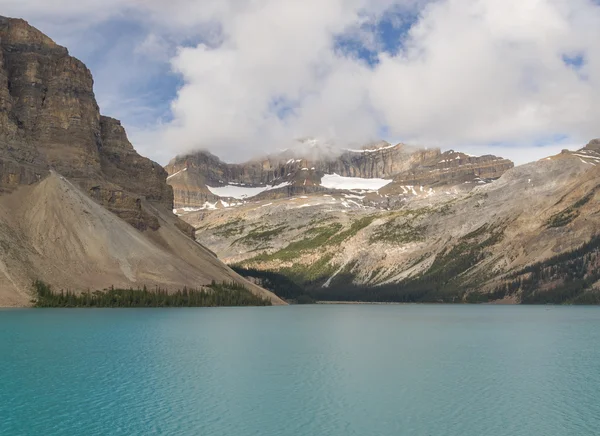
<point>335,181</point>
<point>371,150</point>
<point>242,192</point>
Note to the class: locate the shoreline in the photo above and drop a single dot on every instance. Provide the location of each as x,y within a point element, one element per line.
<point>362,302</point>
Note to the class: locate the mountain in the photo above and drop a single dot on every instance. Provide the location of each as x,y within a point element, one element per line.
<point>440,232</point>
<point>79,207</point>
<point>201,180</point>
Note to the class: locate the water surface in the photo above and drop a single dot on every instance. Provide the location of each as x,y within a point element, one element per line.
<point>301,370</point>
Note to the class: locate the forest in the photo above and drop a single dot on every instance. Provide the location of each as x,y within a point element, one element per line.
<point>566,278</point>
<point>216,295</point>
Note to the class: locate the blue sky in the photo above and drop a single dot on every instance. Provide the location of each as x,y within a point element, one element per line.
<point>519,78</point>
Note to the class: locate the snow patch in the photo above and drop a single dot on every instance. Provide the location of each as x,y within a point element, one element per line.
<point>335,181</point>
<point>174,174</point>
<point>371,150</point>
<point>242,192</point>
<point>359,197</point>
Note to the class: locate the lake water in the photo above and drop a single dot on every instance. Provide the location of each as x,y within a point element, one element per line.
<point>302,370</point>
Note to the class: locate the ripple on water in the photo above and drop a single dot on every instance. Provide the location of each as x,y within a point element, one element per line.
<point>319,370</point>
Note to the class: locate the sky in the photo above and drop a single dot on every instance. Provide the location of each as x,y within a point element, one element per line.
<point>243,78</point>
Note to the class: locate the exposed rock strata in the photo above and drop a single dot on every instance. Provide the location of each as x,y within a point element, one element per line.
<point>191,174</point>
<point>49,119</point>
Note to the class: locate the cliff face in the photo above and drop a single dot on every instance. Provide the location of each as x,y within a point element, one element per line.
<point>49,119</point>
<point>375,163</point>
<point>60,162</point>
<point>48,113</point>
<point>191,174</point>
<point>451,168</point>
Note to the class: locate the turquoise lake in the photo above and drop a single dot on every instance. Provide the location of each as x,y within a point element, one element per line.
<point>334,370</point>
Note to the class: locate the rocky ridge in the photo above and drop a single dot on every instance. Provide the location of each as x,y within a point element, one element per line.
<point>193,175</point>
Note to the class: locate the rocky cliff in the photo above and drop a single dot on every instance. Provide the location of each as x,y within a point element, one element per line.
<point>63,169</point>
<point>191,175</point>
<point>49,119</point>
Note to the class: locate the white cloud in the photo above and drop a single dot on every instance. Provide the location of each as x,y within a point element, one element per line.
<point>470,73</point>
<point>487,71</point>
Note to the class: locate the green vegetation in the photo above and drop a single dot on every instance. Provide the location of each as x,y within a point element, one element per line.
<point>478,297</point>
<point>315,238</point>
<point>355,227</point>
<point>398,233</point>
<point>401,227</point>
<point>229,229</point>
<point>562,218</point>
<point>567,215</point>
<point>218,294</point>
<point>446,209</point>
<point>442,282</point>
<point>260,235</point>
<point>315,221</point>
<point>308,276</point>
<point>311,276</point>
<point>566,278</point>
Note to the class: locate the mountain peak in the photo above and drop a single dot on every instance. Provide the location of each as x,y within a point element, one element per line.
<point>197,179</point>
<point>594,145</point>
<point>16,31</point>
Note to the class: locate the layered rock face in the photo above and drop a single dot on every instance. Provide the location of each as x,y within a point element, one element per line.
<point>383,162</point>
<point>49,119</point>
<point>191,174</point>
<point>48,113</point>
<point>451,168</point>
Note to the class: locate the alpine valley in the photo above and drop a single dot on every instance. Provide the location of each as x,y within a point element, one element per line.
<point>395,223</point>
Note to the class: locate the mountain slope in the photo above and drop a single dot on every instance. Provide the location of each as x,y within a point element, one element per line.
<point>450,246</point>
<point>52,231</point>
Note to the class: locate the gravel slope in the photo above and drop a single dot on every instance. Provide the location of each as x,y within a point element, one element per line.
<point>54,232</point>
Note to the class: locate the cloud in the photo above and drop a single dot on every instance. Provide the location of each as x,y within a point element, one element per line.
<point>469,73</point>
<point>250,76</point>
<point>489,71</point>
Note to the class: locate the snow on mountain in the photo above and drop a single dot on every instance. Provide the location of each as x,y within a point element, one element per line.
<point>335,181</point>
<point>371,150</point>
<point>242,192</point>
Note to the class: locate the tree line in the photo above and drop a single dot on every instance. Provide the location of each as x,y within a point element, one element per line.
<point>217,294</point>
